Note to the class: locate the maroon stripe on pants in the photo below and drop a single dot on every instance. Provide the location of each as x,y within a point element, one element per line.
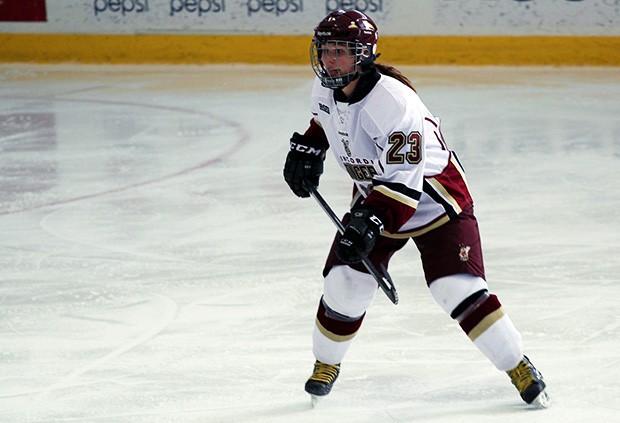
<point>452,248</point>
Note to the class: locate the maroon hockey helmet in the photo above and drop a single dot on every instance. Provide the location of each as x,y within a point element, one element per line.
<point>355,33</point>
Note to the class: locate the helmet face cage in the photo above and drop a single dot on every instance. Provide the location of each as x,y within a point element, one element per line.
<point>337,77</point>
<point>342,32</point>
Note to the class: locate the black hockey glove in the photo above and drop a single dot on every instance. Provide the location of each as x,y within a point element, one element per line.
<point>359,236</point>
<point>303,162</point>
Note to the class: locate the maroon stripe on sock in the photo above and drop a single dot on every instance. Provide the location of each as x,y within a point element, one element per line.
<point>338,327</point>
<point>487,307</point>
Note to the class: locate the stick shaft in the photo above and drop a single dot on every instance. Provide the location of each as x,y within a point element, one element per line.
<point>384,280</point>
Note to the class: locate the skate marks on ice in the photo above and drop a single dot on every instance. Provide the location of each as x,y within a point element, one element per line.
<point>151,125</point>
<point>164,308</point>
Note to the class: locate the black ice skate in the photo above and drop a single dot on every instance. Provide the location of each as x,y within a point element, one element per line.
<point>322,380</point>
<point>529,383</point>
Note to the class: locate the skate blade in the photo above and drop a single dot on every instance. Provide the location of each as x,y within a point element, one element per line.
<point>542,400</point>
<point>314,400</point>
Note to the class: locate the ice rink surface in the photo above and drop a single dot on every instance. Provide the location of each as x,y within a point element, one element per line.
<point>156,268</point>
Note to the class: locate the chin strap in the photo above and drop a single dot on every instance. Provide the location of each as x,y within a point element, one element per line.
<point>368,64</point>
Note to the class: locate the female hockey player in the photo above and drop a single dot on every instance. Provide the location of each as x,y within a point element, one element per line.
<point>407,184</point>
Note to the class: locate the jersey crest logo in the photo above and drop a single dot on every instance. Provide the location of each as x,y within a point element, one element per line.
<point>464,253</point>
<point>324,108</point>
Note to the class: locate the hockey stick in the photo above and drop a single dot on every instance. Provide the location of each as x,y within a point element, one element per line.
<point>383,279</point>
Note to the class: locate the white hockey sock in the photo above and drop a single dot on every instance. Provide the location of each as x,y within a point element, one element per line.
<point>347,295</point>
<point>481,316</point>
<point>501,343</point>
<point>327,350</point>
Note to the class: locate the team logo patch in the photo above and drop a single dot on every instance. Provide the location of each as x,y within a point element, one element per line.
<point>464,252</point>
<point>324,108</point>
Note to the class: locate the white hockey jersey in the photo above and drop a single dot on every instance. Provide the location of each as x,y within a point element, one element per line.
<point>392,147</point>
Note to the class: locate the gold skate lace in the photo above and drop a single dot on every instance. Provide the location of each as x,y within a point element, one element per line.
<point>522,376</point>
<point>326,373</point>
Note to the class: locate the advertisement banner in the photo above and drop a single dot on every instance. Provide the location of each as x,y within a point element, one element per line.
<point>298,17</point>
